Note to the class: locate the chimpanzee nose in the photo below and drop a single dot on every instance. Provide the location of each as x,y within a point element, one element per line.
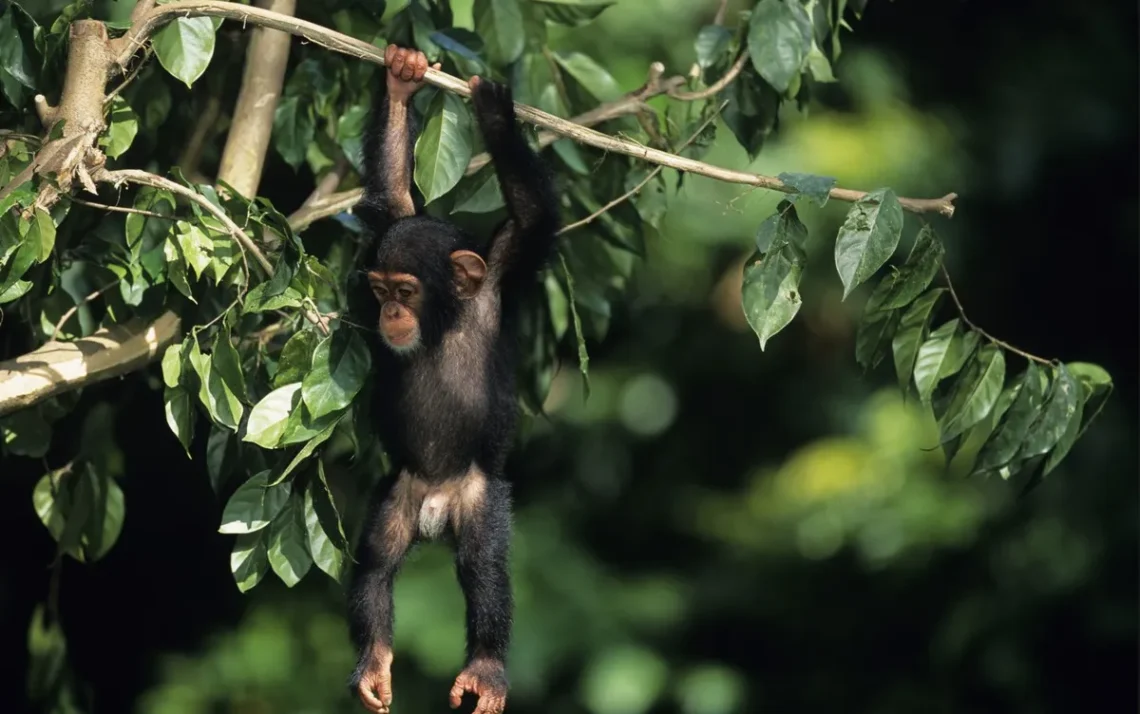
<point>391,310</point>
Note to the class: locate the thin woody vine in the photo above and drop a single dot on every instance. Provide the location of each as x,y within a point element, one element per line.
<point>106,268</point>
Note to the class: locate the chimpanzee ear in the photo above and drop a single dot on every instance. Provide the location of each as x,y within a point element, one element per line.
<point>470,271</point>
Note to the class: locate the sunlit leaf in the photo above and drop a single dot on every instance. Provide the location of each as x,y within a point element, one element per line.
<point>340,365</point>
<point>976,392</point>
<point>184,47</point>
<point>249,560</point>
<point>912,332</point>
<point>590,75</point>
<point>1061,407</point>
<point>289,543</point>
<point>194,245</point>
<point>931,359</point>
<point>254,504</point>
<point>224,406</point>
<point>268,417</point>
<point>868,236</point>
<point>779,39</point>
<point>308,449</point>
<point>768,320</point>
<point>123,125</point>
<point>227,364</point>
<point>179,415</point>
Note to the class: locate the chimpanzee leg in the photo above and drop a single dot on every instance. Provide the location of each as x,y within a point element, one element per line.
<point>389,529</point>
<point>482,541</point>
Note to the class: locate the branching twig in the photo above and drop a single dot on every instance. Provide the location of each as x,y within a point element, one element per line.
<point>127,80</point>
<point>711,90</point>
<point>145,178</point>
<point>121,209</point>
<point>633,191</point>
<point>980,331</point>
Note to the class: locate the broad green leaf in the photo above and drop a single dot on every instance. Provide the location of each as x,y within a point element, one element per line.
<point>961,349</point>
<point>184,47</point>
<point>874,335</point>
<point>154,201</point>
<point>976,392</point>
<point>14,59</point>
<point>571,12</point>
<point>324,552</point>
<point>590,75</point>
<point>176,270</point>
<point>221,456</point>
<point>868,236</point>
<point>51,499</point>
<point>1068,438</point>
<point>776,316</point>
<point>1013,428</point>
<point>249,560</point>
<point>15,291</point>
<point>779,39</point>
<point>194,245</point>
<point>443,148</point>
<point>308,449</point>
<point>350,133</point>
<point>293,130</point>
<point>340,365</point>
<point>301,426</point>
<point>180,415</point>
<point>269,416</point>
<point>912,332</point>
<point>819,65</point>
<point>920,268</point>
<point>815,188</point>
<point>105,521</point>
<point>123,125</point>
<point>1053,421</point>
<point>480,193</point>
<point>289,543</point>
<point>500,24</point>
<point>172,365</point>
<point>25,433</point>
<point>711,44</point>
<point>224,406</point>
<point>258,300</point>
<point>227,364</point>
<point>931,359</point>
<point>254,504</point>
<point>1098,386</point>
<point>296,358</point>
<point>326,509</point>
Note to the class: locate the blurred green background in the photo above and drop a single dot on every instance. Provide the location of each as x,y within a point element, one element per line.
<point>720,529</point>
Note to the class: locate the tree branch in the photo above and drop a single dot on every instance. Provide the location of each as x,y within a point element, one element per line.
<point>248,140</point>
<point>58,367</point>
<point>362,50</point>
<point>980,331</point>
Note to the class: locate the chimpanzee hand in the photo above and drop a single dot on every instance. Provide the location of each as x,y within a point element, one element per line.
<point>374,681</point>
<point>406,68</point>
<point>494,105</point>
<point>487,679</point>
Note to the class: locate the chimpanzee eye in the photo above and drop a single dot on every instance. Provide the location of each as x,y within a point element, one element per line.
<point>380,291</point>
<point>403,292</point>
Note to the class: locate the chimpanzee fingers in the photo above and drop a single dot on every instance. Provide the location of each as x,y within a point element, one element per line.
<point>409,69</point>
<point>368,697</point>
<point>490,704</point>
<point>396,64</point>
<point>419,66</point>
<point>390,54</point>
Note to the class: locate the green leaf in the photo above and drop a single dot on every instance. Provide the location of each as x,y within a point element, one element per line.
<point>711,44</point>
<point>15,291</point>
<point>571,12</point>
<point>324,551</point>
<point>289,543</point>
<point>254,504</point>
<point>1053,421</point>
<point>815,188</point>
<point>14,59</point>
<point>227,364</point>
<point>1011,432</point>
<point>868,237</point>
<point>929,366</point>
<point>1068,438</point>
<point>961,349</point>
<point>591,75</point>
<point>221,455</point>
<point>340,366</point>
<point>296,358</point>
<point>479,193</point>
<point>325,506</point>
<point>916,273</point>
<point>105,521</point>
<point>249,560</point>
<point>184,47</point>
<point>180,415</point>
<point>224,406</point>
<point>123,125</point>
<point>912,332</point>
<point>293,130</point>
<point>258,299</point>
<point>176,270</point>
<point>579,336</point>
<point>172,365</point>
<point>309,447</point>
<point>874,336</point>
<point>819,65</point>
<point>194,245</point>
<point>779,39</point>
<point>443,149</point>
<point>975,393</point>
<point>269,416</point>
<point>500,24</point>
<point>350,134</point>
<point>769,320</point>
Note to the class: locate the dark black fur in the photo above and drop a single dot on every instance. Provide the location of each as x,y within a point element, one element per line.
<point>430,427</point>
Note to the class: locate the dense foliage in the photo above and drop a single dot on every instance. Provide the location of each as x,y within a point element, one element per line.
<point>274,361</point>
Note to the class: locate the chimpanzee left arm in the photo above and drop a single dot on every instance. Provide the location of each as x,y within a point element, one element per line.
<point>522,246</point>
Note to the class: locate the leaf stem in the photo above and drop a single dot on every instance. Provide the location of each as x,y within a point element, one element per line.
<point>1000,343</point>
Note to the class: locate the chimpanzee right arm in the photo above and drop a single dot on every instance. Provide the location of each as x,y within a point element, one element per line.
<point>390,139</point>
